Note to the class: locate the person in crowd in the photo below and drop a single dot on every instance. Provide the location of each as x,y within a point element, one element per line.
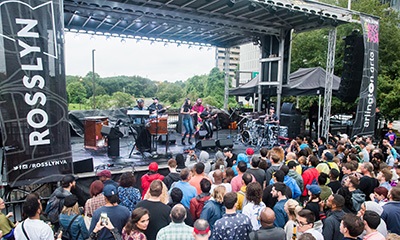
<point>204,157</point>
<point>71,219</point>
<point>242,200</point>
<point>173,175</point>
<point>104,223</point>
<point>187,122</point>
<point>353,196</point>
<point>391,136</point>
<point>6,225</point>
<point>236,182</point>
<point>128,195</point>
<point>197,109</point>
<point>374,207</point>
<point>367,182</point>
<point>56,201</point>
<point>310,175</point>
<point>365,151</point>
<point>97,199</point>
<point>230,156</point>
<point>218,177</point>
<point>384,177</point>
<point>264,160</point>
<point>312,204</point>
<point>351,226</point>
<point>213,208</point>
<point>268,231</point>
<point>291,208</point>
<point>229,175</point>
<point>334,183</point>
<point>278,191</point>
<point>33,227</point>
<point>117,214</point>
<point>197,203</point>
<point>254,205</point>
<point>189,192</point>
<point>176,198</point>
<point>331,227</point>
<point>241,158</point>
<point>201,230</point>
<point>136,225</point>
<point>180,162</point>
<point>105,177</point>
<point>164,197</point>
<point>219,165</point>
<point>177,229</point>
<point>371,222</point>
<point>275,166</point>
<point>305,224</point>
<point>158,211</point>
<point>292,165</point>
<point>289,182</point>
<point>380,195</point>
<point>326,163</point>
<point>191,157</point>
<point>259,174</point>
<point>232,225</point>
<point>150,176</point>
<point>325,190</point>
<point>198,176</point>
<point>391,211</point>
<point>267,198</point>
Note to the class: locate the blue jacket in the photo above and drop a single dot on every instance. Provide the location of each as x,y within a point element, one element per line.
<point>212,211</point>
<point>241,158</point>
<point>77,226</point>
<point>290,183</point>
<point>391,215</point>
<point>280,215</point>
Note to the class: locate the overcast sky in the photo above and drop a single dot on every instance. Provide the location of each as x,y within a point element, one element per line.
<point>154,61</point>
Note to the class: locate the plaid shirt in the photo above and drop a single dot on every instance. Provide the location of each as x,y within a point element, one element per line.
<point>94,203</point>
<point>175,231</point>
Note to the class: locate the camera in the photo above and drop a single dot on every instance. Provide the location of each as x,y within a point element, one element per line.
<point>104,219</point>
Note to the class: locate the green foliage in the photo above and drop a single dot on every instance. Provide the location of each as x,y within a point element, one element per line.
<point>171,93</point>
<point>76,92</point>
<point>121,99</point>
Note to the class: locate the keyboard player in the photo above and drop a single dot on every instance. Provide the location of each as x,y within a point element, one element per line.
<point>139,116</point>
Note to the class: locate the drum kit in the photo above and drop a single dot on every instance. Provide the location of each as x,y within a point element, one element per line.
<point>253,131</point>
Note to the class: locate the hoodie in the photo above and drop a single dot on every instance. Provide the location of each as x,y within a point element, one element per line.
<point>240,158</point>
<point>204,158</point>
<point>212,211</point>
<point>147,179</point>
<point>197,205</point>
<point>171,178</point>
<point>331,228</point>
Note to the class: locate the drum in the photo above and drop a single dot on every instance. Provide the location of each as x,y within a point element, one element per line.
<point>283,131</point>
<point>158,126</point>
<point>246,137</point>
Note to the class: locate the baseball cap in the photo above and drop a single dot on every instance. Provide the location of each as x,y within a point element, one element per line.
<point>104,173</point>
<point>153,167</point>
<point>109,190</point>
<point>70,201</point>
<point>292,164</point>
<point>249,151</point>
<point>314,189</point>
<point>139,100</point>
<point>68,178</point>
<point>227,149</point>
<point>155,98</point>
<point>328,156</point>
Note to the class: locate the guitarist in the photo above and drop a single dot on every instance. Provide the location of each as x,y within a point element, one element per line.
<point>156,108</point>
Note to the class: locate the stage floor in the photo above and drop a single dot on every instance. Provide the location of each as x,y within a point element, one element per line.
<point>141,161</point>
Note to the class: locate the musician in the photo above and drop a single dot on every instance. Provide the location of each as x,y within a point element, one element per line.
<point>271,118</point>
<point>155,107</point>
<point>186,110</point>
<point>143,141</point>
<point>207,117</point>
<point>140,105</point>
<point>197,109</point>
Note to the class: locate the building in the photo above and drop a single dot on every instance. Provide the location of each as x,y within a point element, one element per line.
<point>234,54</point>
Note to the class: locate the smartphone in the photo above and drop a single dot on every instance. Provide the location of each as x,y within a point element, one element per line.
<point>222,168</point>
<point>103,218</point>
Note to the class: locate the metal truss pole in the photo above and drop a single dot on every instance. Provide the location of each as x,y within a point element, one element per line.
<point>226,69</point>
<point>330,66</point>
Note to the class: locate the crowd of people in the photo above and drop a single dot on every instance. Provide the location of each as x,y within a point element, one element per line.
<point>341,189</point>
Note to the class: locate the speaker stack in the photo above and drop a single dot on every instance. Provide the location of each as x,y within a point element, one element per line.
<point>290,119</point>
<point>205,144</point>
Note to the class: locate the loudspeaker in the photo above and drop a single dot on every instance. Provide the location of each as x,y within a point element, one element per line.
<point>205,144</point>
<point>288,108</point>
<point>292,122</point>
<point>111,132</point>
<point>162,139</point>
<point>85,165</point>
<point>201,134</point>
<point>222,143</point>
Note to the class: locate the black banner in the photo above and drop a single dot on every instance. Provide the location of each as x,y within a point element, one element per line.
<point>365,118</point>
<point>33,105</point>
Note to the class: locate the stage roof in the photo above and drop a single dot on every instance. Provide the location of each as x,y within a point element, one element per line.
<point>222,23</point>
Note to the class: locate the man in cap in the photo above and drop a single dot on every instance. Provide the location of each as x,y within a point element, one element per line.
<point>118,215</point>
<point>155,107</point>
<point>327,163</point>
<point>105,177</point>
<point>150,177</point>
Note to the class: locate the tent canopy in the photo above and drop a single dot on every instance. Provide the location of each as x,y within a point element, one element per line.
<point>303,82</point>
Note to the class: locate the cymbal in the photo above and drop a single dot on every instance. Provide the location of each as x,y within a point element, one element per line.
<point>245,116</point>
<point>262,116</point>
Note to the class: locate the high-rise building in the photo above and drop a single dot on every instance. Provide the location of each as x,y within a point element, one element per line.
<point>234,53</point>
<point>249,64</point>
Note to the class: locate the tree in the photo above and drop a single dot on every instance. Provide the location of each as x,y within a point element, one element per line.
<point>121,99</point>
<point>76,92</point>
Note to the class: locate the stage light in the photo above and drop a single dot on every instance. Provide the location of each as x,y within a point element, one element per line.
<point>231,3</point>
<point>252,6</point>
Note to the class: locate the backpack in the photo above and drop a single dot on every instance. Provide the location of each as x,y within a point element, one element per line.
<point>66,235</point>
<point>357,198</point>
<point>53,208</point>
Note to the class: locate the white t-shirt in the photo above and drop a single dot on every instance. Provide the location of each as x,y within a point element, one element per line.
<point>253,212</point>
<point>315,233</point>
<point>35,229</point>
<point>227,186</point>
